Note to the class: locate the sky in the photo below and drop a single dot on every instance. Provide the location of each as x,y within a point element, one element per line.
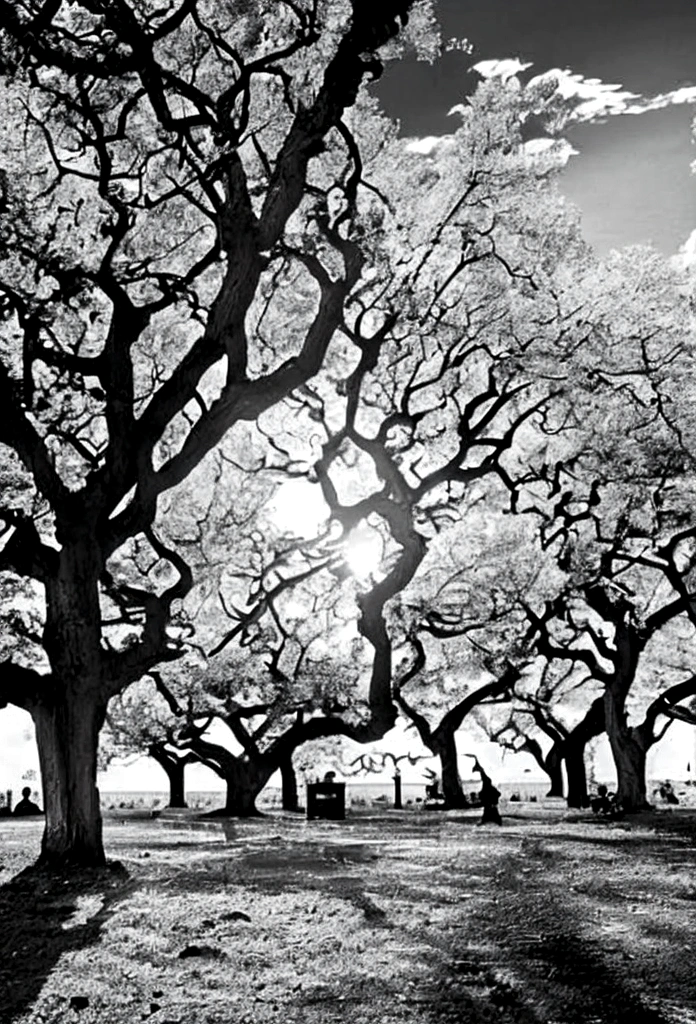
<point>631,178</point>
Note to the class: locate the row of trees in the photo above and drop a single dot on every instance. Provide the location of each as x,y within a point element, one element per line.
<point>222,269</point>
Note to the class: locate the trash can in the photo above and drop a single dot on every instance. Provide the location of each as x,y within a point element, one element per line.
<point>326,800</point>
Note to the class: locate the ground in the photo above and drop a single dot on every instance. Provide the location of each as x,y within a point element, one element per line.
<point>397,917</point>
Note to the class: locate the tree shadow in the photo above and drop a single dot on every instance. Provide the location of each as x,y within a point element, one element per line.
<point>44,915</point>
<point>564,972</point>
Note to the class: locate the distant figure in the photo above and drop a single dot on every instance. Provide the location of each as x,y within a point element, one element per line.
<point>489,796</point>
<point>25,805</point>
<point>667,793</point>
<point>601,804</point>
<point>329,777</point>
<point>432,787</point>
<point>606,803</point>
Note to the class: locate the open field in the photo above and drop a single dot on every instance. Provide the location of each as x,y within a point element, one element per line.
<point>383,918</point>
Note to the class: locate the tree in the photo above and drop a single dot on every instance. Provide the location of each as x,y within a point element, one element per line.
<point>292,682</point>
<point>513,734</point>
<point>170,172</point>
<point>441,739</point>
<point>143,721</point>
<point>438,372</point>
<point>463,630</point>
<point>568,743</point>
<point>620,625</point>
<point>613,491</point>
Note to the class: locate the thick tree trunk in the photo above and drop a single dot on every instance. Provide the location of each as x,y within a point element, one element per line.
<point>630,759</point>
<point>629,756</point>
<point>244,784</point>
<point>446,750</point>
<point>67,734</point>
<point>289,787</point>
<point>577,775</point>
<point>553,766</point>
<point>69,719</point>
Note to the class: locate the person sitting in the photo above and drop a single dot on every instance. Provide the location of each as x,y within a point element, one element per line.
<point>667,793</point>
<point>601,803</point>
<point>432,786</point>
<point>25,805</point>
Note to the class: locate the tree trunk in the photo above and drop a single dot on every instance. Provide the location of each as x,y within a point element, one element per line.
<point>573,750</point>
<point>629,756</point>
<point>244,784</point>
<point>177,788</point>
<point>289,787</point>
<point>67,734</point>
<point>577,775</point>
<point>68,721</point>
<point>174,767</point>
<point>446,750</point>
<point>630,759</point>
<point>553,766</point>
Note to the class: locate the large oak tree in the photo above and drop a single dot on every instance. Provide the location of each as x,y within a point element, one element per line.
<point>169,173</point>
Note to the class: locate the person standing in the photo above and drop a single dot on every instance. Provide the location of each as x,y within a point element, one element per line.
<point>489,797</point>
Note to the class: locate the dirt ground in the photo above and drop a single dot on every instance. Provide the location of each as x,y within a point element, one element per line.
<point>413,916</point>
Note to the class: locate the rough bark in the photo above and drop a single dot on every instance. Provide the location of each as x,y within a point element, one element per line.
<point>628,751</point>
<point>630,759</point>
<point>576,774</point>
<point>71,713</point>
<point>67,731</point>
<point>244,785</point>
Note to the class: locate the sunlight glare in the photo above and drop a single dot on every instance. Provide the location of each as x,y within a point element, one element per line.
<point>298,507</point>
<point>363,551</point>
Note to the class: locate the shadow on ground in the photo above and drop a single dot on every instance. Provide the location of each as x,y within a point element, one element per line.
<point>43,916</point>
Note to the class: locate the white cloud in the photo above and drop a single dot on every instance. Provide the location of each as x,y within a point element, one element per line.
<point>560,149</point>
<point>504,69</point>
<point>427,144</point>
<point>596,99</point>
<point>686,256</point>
<point>665,99</point>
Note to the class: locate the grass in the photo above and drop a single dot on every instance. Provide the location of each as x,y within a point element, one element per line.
<point>395,917</point>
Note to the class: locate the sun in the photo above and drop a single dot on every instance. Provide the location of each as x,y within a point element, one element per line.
<point>298,508</point>
<point>363,551</point>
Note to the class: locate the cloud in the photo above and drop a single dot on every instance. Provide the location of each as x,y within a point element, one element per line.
<point>595,99</point>
<point>686,256</point>
<point>427,144</point>
<point>560,149</point>
<point>504,69</point>
<point>666,99</point>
